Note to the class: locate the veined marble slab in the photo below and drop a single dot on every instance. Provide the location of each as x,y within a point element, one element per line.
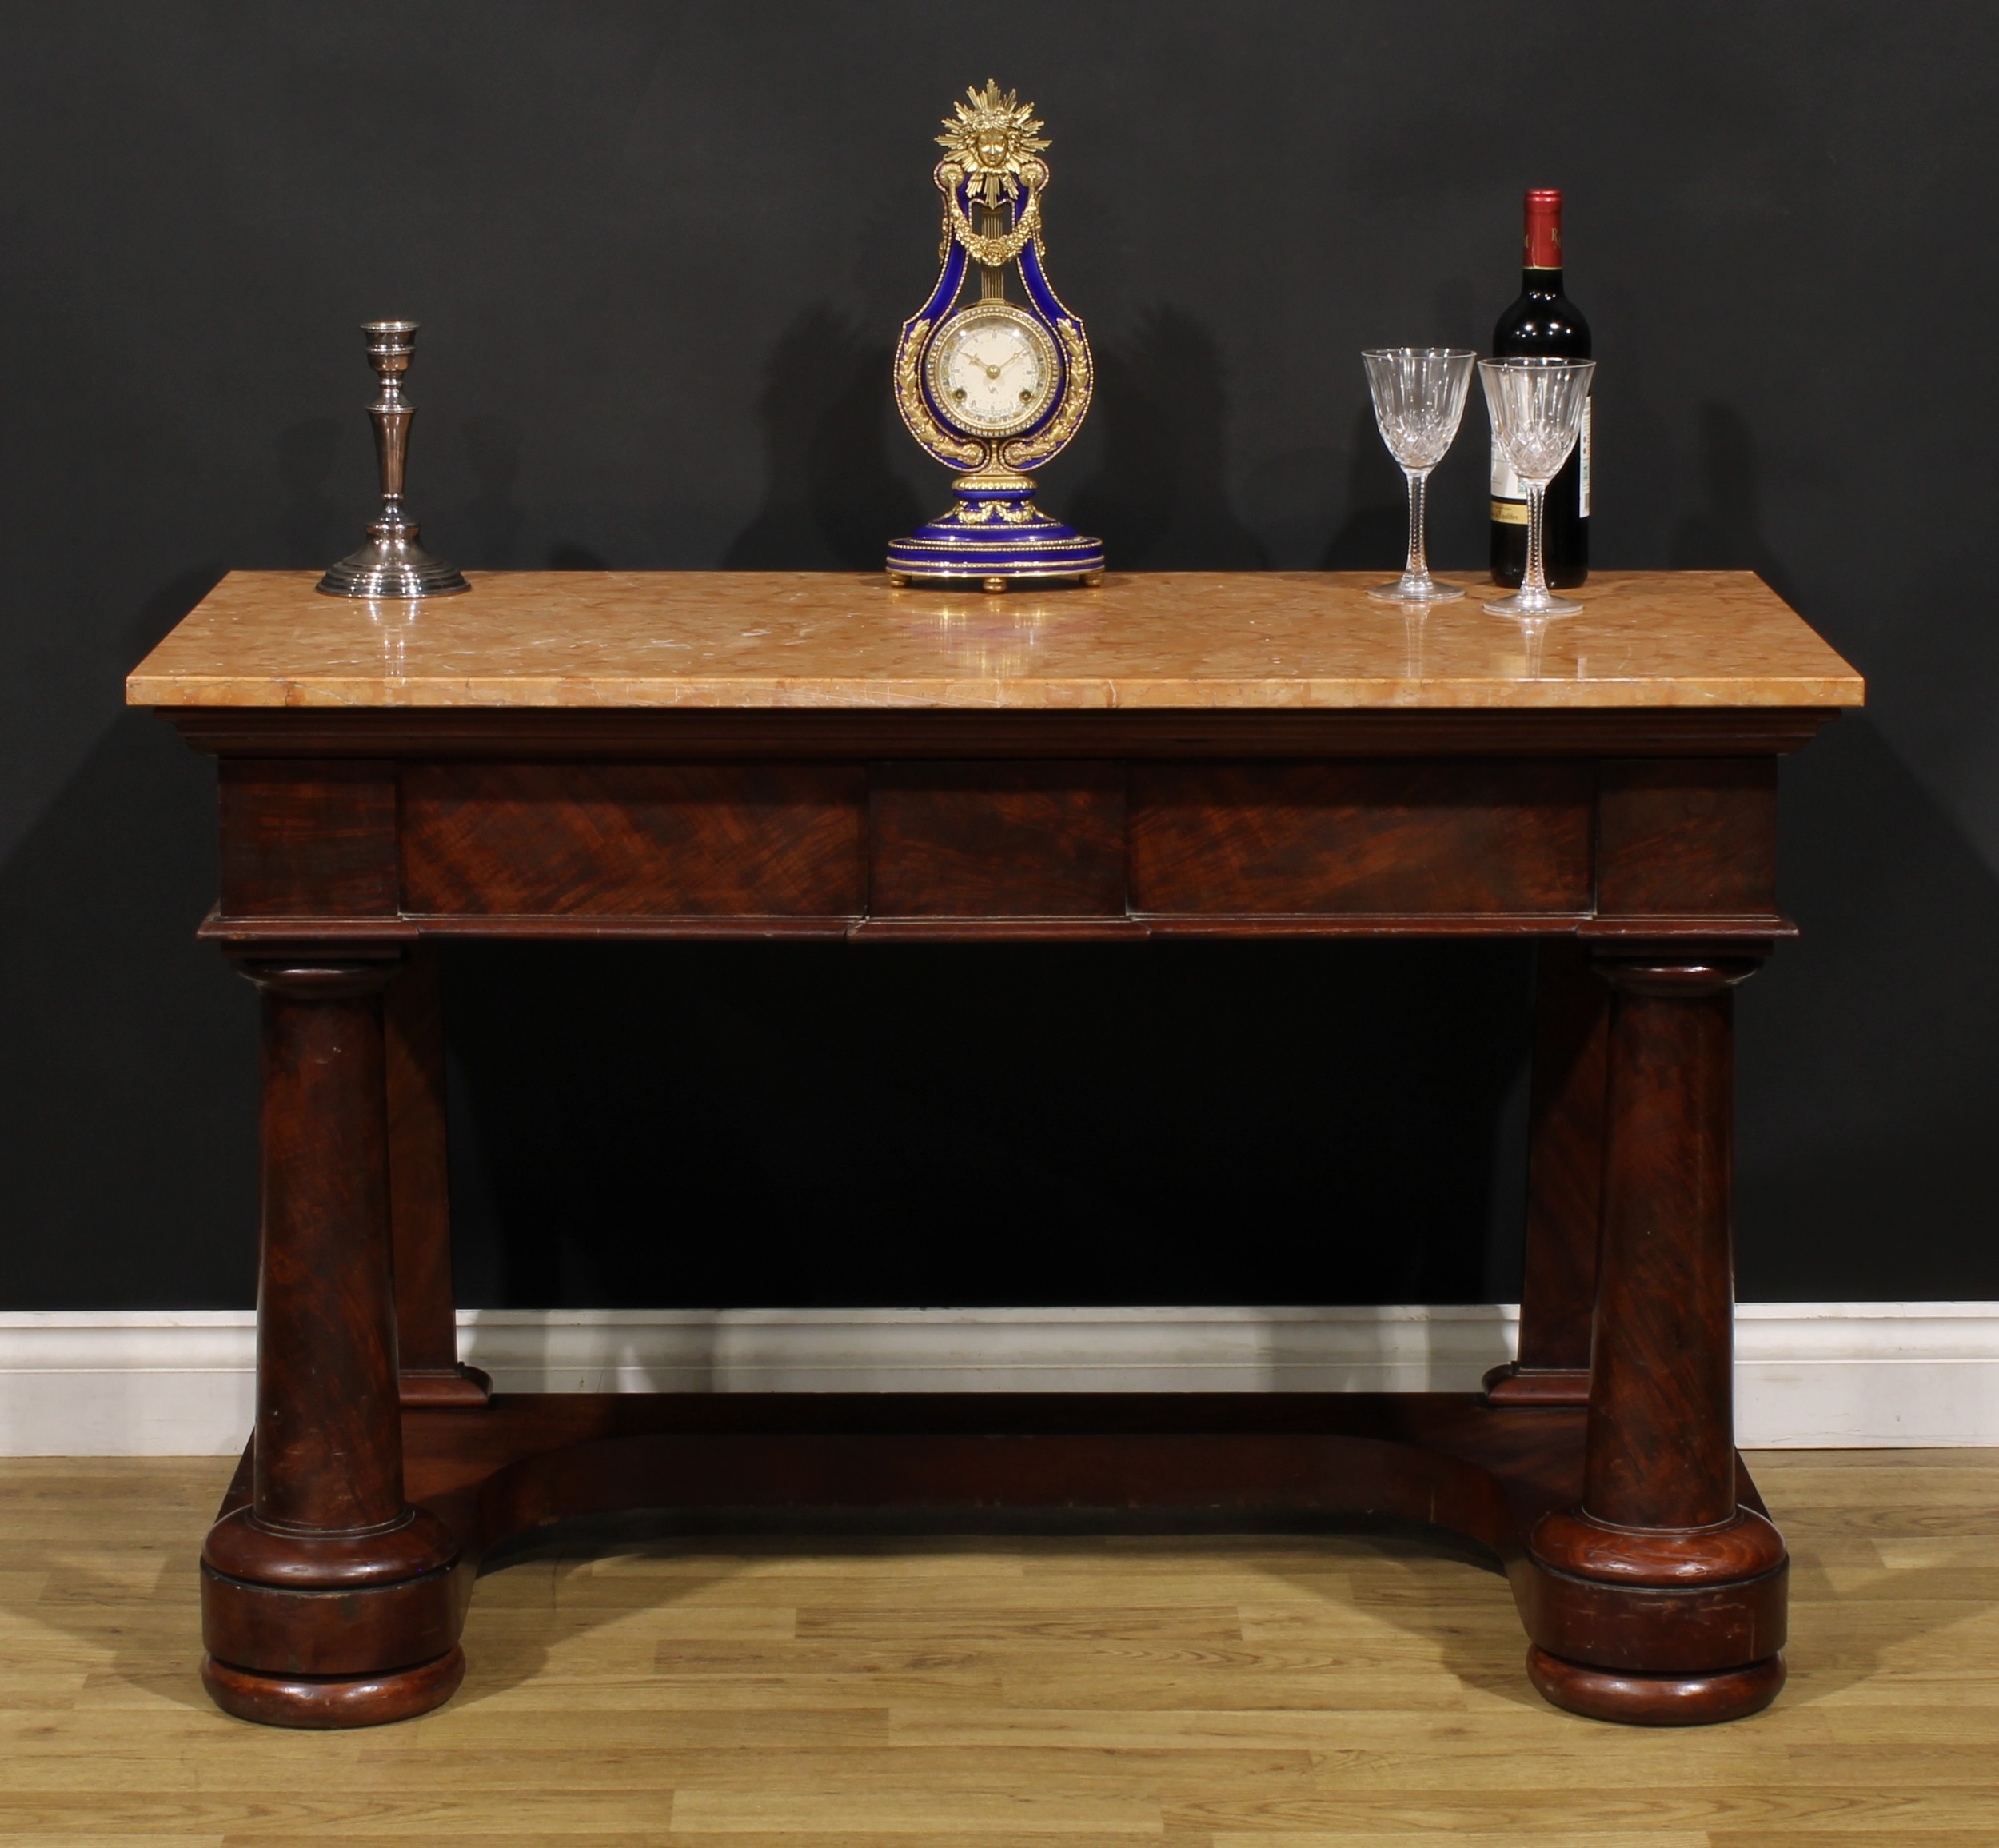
<point>1191,639</point>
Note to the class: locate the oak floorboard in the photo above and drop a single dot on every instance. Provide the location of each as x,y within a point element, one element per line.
<point>1093,1692</point>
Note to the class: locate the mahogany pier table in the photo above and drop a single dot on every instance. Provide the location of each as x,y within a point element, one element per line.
<point>609,755</point>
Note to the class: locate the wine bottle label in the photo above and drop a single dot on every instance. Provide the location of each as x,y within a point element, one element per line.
<point>1582,450</point>
<point>1506,484</point>
<point>1509,513</point>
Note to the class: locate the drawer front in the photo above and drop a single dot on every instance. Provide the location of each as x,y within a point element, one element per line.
<point>988,840</point>
<point>635,841</point>
<point>1470,839</point>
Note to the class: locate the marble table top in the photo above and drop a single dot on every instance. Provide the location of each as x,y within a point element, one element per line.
<point>1204,639</point>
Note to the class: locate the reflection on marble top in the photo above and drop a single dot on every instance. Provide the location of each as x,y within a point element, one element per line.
<point>1187,640</point>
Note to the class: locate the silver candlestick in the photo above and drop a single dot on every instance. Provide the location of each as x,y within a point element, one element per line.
<point>392,564</point>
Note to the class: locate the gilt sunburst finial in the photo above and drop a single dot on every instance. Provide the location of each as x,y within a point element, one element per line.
<point>989,137</point>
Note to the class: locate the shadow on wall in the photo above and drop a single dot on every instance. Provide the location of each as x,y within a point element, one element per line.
<point>128,1094</point>
<point>566,554</point>
<point>1160,501</point>
<point>1727,533</point>
<point>1868,1060</point>
<point>831,499</point>
<point>728,1125</point>
<point>1374,534</point>
<point>314,525</point>
<point>493,452</point>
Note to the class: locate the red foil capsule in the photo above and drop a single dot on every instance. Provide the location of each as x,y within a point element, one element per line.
<point>1544,228</point>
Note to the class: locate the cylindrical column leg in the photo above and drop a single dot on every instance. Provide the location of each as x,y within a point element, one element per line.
<point>327,1600</point>
<point>1660,1599</point>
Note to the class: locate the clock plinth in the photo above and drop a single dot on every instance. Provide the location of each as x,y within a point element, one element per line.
<point>997,534</point>
<point>995,386</point>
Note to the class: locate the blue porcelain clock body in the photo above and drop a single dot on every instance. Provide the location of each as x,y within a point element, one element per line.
<point>993,381</point>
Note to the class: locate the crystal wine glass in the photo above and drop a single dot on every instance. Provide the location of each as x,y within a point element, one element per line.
<point>1537,410</point>
<point>1419,397</point>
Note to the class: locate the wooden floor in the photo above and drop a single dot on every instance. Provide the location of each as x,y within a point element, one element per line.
<point>1297,1693</point>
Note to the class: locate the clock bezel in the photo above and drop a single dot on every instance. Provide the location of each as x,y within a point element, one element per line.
<point>1048,348</point>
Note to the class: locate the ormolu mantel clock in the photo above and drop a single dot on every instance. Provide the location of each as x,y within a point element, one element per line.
<point>997,385</point>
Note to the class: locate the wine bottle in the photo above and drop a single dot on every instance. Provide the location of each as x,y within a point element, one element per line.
<point>1542,324</point>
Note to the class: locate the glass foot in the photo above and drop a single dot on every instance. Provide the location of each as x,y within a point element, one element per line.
<point>1520,604</point>
<point>1423,589</point>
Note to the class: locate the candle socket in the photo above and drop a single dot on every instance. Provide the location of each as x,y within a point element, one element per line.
<point>392,564</point>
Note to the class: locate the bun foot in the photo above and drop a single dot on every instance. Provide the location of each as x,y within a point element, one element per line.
<point>1655,1700</point>
<point>328,1701</point>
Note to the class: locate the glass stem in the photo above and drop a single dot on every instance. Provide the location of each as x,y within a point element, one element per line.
<point>1419,565</point>
<point>1533,587</point>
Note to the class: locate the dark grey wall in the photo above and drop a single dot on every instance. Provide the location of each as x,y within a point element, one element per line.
<point>659,251</point>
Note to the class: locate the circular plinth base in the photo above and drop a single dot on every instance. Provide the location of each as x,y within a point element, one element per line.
<point>993,584</point>
<point>329,1700</point>
<point>1655,1700</point>
<point>994,537</point>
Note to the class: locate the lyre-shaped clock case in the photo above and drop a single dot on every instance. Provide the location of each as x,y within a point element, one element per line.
<point>994,534</point>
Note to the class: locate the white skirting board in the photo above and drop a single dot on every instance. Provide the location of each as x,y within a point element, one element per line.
<point>1808,1375</point>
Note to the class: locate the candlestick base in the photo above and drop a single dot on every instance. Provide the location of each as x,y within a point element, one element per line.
<point>393,566</point>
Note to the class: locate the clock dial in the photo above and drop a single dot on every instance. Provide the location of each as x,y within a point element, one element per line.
<point>992,370</point>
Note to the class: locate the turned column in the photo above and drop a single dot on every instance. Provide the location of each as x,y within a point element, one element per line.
<point>327,1599</point>
<point>1661,1599</point>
